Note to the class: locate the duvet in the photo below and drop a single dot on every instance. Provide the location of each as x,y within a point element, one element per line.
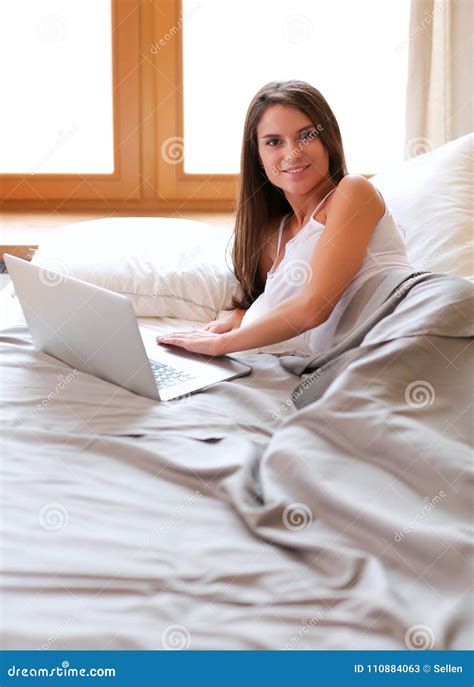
<point>320,503</point>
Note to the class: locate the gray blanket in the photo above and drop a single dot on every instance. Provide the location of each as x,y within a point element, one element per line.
<point>254,515</point>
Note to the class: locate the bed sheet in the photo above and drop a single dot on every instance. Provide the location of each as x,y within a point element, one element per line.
<point>231,520</point>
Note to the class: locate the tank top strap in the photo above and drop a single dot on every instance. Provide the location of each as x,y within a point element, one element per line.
<point>319,204</point>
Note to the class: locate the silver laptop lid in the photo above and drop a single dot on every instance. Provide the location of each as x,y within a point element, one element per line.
<point>66,319</point>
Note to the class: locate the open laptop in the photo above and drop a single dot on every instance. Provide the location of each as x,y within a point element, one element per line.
<point>95,330</point>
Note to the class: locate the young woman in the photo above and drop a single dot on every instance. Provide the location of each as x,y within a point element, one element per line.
<point>307,233</point>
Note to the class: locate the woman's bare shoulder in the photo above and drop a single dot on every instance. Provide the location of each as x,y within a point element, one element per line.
<point>357,189</point>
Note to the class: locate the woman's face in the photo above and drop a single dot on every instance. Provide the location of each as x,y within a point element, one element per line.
<point>288,140</point>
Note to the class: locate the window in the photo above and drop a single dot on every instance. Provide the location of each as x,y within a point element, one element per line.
<point>140,104</point>
<point>61,115</point>
<point>71,109</point>
<point>355,53</point>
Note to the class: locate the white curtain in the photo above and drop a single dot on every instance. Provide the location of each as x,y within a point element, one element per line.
<point>439,87</point>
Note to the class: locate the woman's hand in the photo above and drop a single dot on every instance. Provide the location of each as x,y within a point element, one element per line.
<point>195,340</point>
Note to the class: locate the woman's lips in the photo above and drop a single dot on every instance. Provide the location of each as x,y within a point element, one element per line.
<point>296,174</point>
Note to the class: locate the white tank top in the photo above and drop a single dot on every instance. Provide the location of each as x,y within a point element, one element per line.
<point>385,249</point>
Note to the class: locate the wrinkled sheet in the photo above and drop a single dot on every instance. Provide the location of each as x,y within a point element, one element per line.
<point>230,519</point>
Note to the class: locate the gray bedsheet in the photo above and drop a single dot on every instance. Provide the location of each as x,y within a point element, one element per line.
<point>232,519</point>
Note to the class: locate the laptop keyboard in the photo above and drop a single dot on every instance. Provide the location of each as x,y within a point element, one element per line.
<point>165,375</point>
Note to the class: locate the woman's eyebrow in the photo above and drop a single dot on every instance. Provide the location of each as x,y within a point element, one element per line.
<point>308,126</point>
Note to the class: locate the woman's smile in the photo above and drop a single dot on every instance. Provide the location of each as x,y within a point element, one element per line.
<point>296,171</point>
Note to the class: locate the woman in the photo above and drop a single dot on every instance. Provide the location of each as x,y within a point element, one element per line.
<point>307,233</point>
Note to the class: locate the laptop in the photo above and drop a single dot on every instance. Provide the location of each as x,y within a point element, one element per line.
<point>95,330</point>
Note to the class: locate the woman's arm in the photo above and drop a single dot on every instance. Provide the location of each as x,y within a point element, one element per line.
<point>227,322</point>
<point>356,209</point>
<point>291,317</point>
<point>354,213</point>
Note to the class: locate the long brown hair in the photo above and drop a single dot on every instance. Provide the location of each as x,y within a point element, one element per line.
<point>259,202</point>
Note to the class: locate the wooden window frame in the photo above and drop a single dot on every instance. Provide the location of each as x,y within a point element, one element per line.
<point>207,190</point>
<point>39,190</point>
<point>148,116</point>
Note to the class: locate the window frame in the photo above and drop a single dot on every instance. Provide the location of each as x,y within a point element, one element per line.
<point>174,183</point>
<point>38,190</point>
<point>148,110</point>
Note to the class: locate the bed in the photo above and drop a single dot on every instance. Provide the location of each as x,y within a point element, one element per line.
<point>318,503</point>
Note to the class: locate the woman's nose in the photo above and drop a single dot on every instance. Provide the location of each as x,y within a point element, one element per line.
<point>291,158</point>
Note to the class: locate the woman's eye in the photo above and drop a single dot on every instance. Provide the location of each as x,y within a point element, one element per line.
<point>306,135</point>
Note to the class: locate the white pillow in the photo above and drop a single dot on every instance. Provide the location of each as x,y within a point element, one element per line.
<point>167,267</point>
<point>431,200</point>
